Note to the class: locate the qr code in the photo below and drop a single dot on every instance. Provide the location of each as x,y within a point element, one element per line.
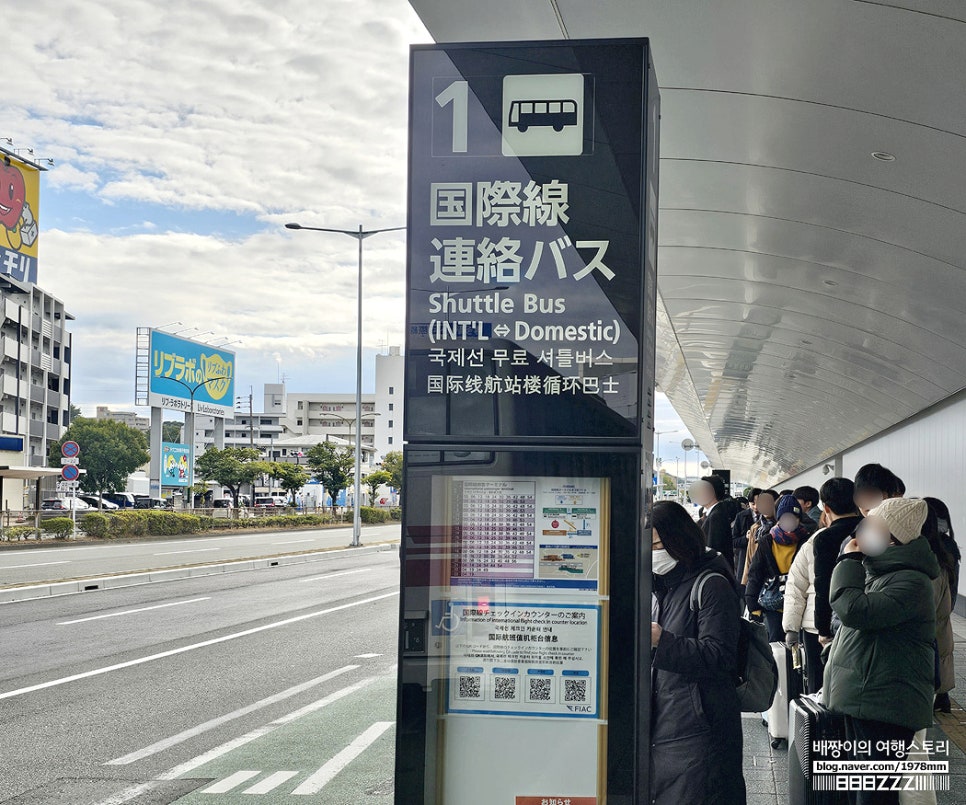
<point>505,688</point>
<point>540,690</point>
<point>575,690</point>
<point>470,687</point>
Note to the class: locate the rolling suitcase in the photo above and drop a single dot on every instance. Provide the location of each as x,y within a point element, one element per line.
<point>789,688</point>
<point>811,721</point>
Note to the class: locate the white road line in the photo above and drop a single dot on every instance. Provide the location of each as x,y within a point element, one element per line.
<point>224,639</point>
<point>323,776</point>
<point>133,611</point>
<point>365,656</point>
<point>135,791</point>
<point>38,564</point>
<point>333,575</point>
<point>292,541</point>
<point>271,782</point>
<point>193,550</point>
<point>181,737</point>
<point>229,783</point>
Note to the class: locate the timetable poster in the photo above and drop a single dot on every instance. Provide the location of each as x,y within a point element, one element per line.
<point>526,532</point>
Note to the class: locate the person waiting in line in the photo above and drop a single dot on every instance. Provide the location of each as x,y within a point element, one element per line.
<point>838,501</point>
<point>880,668</point>
<point>767,501</point>
<point>798,616</point>
<point>770,564</point>
<point>808,498</point>
<point>739,529</point>
<point>875,483</point>
<point>719,512</point>
<point>945,526</point>
<point>942,587</point>
<point>696,738</point>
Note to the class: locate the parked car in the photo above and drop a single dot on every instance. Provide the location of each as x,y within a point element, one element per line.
<point>224,503</point>
<point>124,500</point>
<point>64,504</point>
<point>265,503</point>
<point>93,501</point>
<point>148,502</point>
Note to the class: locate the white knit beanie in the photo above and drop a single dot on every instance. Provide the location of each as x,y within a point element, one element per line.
<point>904,516</point>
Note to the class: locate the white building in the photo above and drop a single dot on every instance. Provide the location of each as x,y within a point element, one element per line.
<point>35,370</point>
<point>128,418</point>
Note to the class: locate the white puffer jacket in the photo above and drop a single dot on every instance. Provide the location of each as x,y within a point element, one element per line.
<point>799,612</point>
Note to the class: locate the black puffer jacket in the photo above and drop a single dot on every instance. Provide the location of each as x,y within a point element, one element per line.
<point>696,722</point>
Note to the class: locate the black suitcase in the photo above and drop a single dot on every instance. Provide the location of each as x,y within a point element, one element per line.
<point>811,721</point>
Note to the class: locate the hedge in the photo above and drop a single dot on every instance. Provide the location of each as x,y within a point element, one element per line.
<point>15,533</point>
<point>369,514</point>
<point>94,524</point>
<point>60,527</point>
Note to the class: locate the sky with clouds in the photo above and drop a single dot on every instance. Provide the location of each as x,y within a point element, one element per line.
<point>184,136</point>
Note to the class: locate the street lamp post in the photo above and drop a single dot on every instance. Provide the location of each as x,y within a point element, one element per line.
<point>360,234</point>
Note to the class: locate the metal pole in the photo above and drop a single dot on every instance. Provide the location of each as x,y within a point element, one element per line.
<point>357,492</point>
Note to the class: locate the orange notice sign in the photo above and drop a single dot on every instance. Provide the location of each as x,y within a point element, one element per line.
<point>556,800</point>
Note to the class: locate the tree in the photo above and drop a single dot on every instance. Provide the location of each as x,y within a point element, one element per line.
<point>73,413</point>
<point>291,477</point>
<point>171,431</point>
<point>109,452</point>
<point>373,481</point>
<point>331,466</point>
<point>392,463</point>
<point>231,467</point>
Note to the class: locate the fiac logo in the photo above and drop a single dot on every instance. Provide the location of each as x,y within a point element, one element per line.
<point>217,375</point>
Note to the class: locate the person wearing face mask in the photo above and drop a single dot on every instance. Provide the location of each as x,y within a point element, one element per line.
<point>948,538</point>
<point>880,671</point>
<point>696,739</point>
<point>764,522</point>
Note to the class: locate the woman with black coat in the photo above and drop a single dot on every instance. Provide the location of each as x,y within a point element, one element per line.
<point>696,751</point>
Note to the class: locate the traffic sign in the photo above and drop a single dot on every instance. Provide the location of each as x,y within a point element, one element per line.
<point>70,472</point>
<point>66,486</point>
<point>65,461</point>
<point>70,449</point>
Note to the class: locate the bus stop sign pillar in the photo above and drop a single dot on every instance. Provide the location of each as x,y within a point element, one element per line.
<point>524,628</point>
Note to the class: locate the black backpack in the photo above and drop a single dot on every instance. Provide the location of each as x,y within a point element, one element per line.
<point>757,672</point>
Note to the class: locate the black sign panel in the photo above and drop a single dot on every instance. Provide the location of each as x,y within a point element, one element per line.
<point>532,220</point>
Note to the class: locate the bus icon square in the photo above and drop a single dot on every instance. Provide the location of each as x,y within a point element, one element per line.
<point>543,115</point>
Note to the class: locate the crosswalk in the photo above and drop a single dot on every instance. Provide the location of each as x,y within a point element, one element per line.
<point>312,784</point>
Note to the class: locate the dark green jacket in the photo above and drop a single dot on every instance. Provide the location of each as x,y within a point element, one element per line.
<point>881,666</point>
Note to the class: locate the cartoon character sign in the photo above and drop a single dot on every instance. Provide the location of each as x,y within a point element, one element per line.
<point>19,188</point>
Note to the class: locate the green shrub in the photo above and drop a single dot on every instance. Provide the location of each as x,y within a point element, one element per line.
<point>369,514</point>
<point>60,527</point>
<point>127,524</point>
<point>18,532</point>
<point>94,525</point>
<point>395,513</point>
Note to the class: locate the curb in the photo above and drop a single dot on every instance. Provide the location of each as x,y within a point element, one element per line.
<point>32,592</point>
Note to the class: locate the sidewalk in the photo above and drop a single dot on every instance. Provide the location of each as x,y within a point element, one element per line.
<point>766,769</point>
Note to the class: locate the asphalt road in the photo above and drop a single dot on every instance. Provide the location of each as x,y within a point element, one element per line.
<point>55,561</point>
<point>263,686</point>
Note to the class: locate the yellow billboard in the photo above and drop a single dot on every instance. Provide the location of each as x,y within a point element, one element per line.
<point>19,209</point>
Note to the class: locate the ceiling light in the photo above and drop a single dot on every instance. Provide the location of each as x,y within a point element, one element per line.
<point>883,156</point>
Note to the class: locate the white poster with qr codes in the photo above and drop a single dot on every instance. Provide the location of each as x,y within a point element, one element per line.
<point>524,659</point>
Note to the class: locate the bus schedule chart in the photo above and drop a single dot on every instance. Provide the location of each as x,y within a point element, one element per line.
<point>494,529</point>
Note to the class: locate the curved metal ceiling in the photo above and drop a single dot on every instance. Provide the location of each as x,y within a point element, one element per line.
<point>811,295</point>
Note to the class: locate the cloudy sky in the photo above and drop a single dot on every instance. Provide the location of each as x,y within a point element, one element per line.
<point>184,136</point>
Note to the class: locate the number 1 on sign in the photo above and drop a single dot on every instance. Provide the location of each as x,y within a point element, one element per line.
<point>457,93</point>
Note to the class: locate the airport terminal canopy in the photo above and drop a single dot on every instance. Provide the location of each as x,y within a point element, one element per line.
<point>812,241</point>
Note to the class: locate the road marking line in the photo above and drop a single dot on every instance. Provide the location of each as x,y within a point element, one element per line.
<point>366,656</point>
<point>270,782</point>
<point>292,541</point>
<point>38,564</point>
<point>323,776</point>
<point>181,737</point>
<point>132,793</point>
<point>205,643</point>
<point>229,783</point>
<point>193,550</point>
<point>333,575</point>
<point>133,611</point>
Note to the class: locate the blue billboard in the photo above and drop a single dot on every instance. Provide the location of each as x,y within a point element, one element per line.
<point>174,464</point>
<point>185,371</point>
